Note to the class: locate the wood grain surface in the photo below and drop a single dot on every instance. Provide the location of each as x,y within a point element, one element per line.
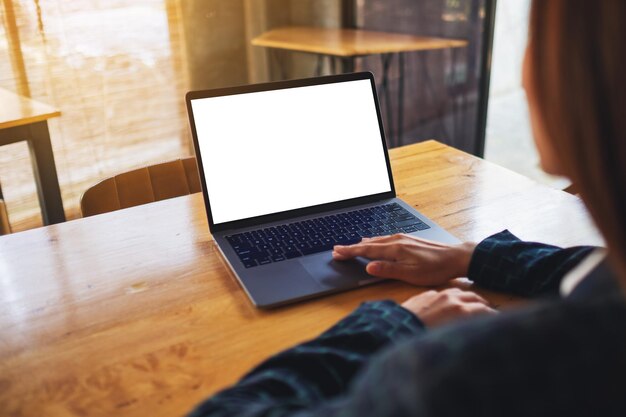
<point>349,42</point>
<point>16,110</point>
<point>134,313</point>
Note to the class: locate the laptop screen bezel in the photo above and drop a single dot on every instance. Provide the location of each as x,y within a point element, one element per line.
<point>303,211</point>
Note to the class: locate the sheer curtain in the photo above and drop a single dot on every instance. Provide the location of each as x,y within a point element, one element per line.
<point>115,68</point>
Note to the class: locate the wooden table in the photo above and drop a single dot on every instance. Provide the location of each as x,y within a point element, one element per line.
<point>134,313</point>
<point>349,44</point>
<point>22,119</point>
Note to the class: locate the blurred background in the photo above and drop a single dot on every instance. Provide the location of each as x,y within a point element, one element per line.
<point>118,71</point>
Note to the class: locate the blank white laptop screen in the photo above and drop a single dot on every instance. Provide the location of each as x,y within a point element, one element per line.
<point>273,151</point>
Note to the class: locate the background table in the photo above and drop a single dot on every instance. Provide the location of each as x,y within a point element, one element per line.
<point>22,119</point>
<point>134,313</point>
<point>349,44</point>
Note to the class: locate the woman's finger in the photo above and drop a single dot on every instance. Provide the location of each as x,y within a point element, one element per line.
<point>393,270</point>
<point>470,296</point>
<point>368,250</point>
<point>473,309</point>
<point>413,240</point>
<point>387,238</point>
<point>465,296</point>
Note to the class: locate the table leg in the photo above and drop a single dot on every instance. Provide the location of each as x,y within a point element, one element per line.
<point>45,173</point>
<point>384,91</point>
<point>461,108</point>
<point>455,106</point>
<point>348,64</point>
<point>441,107</point>
<point>400,109</point>
<point>318,65</point>
<point>281,68</point>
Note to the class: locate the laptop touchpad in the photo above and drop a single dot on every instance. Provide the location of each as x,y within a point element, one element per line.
<point>337,274</point>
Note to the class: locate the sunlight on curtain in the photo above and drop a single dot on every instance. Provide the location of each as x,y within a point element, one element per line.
<point>116,71</point>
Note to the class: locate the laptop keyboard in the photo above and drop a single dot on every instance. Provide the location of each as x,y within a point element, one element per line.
<point>292,240</point>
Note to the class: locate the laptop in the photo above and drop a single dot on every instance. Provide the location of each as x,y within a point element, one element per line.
<point>288,170</point>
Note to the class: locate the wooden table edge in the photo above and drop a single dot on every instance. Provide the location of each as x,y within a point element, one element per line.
<point>261,41</point>
<point>30,120</point>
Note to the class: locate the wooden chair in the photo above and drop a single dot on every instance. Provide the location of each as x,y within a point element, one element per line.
<point>5,226</point>
<point>142,186</point>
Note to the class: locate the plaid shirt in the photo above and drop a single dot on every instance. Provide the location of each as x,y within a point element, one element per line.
<point>563,357</point>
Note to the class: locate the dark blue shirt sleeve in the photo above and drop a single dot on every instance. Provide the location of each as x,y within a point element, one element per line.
<point>317,371</point>
<point>561,358</point>
<point>554,359</point>
<point>503,262</point>
<point>314,378</point>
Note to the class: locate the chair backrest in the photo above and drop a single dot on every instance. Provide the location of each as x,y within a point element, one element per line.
<point>142,186</point>
<point>5,226</point>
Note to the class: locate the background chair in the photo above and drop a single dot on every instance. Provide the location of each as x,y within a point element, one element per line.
<point>142,186</point>
<point>5,227</point>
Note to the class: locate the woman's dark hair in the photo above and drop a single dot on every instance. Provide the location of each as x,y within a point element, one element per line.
<point>578,73</point>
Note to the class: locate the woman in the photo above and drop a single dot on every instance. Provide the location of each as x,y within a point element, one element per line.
<point>562,356</point>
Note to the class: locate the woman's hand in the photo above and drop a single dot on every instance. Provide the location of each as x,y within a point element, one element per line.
<point>439,307</point>
<point>407,258</point>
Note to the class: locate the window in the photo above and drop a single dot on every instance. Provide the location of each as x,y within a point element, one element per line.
<point>114,69</point>
<point>118,71</point>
